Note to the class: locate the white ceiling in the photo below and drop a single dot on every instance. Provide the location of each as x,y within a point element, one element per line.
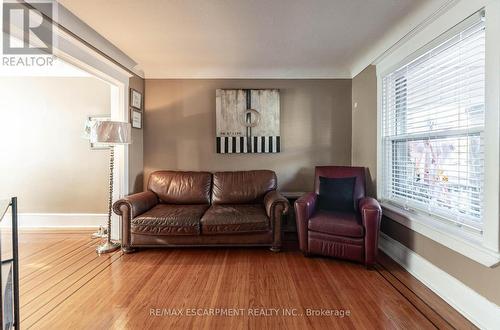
<point>244,38</point>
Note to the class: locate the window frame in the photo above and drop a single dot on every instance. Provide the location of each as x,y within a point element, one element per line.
<point>395,131</point>
<point>483,248</point>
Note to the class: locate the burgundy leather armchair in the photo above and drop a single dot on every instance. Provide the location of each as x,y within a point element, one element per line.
<point>346,235</point>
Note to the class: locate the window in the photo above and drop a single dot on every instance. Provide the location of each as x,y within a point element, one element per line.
<point>432,129</point>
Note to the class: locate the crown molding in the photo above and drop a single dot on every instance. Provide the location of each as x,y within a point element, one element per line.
<point>247,75</point>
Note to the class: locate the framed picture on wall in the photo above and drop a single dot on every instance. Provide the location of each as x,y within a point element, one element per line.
<point>247,121</point>
<point>135,99</point>
<point>136,118</point>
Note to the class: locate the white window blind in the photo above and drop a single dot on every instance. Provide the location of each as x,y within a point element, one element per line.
<point>433,110</point>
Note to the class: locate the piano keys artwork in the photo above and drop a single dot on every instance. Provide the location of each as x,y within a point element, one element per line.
<point>247,121</point>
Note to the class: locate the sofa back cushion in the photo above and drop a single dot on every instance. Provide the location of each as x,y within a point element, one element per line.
<point>243,187</point>
<point>174,187</point>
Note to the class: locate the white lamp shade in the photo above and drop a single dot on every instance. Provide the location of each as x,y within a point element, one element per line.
<point>110,132</point>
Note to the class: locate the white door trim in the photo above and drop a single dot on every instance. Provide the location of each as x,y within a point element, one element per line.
<point>73,51</point>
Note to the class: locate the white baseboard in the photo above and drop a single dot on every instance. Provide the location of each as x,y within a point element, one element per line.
<point>61,220</point>
<point>479,310</point>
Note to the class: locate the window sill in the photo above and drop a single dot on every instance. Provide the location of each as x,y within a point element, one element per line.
<point>467,244</point>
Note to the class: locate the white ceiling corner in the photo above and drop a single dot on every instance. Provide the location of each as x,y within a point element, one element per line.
<point>400,32</point>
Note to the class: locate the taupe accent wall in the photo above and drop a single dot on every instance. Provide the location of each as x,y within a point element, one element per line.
<point>315,128</point>
<point>364,125</point>
<point>484,280</point>
<point>45,161</point>
<point>136,152</point>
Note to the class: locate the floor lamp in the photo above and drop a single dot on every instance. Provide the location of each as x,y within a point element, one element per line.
<point>109,133</point>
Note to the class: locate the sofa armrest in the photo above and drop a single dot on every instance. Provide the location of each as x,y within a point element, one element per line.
<point>304,209</point>
<point>135,204</point>
<point>371,216</point>
<point>276,205</point>
<point>272,199</point>
<point>130,207</point>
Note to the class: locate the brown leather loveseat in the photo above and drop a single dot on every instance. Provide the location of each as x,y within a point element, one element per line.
<point>204,209</point>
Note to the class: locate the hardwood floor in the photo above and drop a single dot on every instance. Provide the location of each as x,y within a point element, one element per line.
<point>65,285</point>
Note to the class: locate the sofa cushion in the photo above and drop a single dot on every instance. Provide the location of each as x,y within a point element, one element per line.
<point>174,187</point>
<point>239,218</point>
<point>166,219</point>
<point>336,223</point>
<point>244,187</point>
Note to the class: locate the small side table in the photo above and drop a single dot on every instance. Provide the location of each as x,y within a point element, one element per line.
<point>289,236</point>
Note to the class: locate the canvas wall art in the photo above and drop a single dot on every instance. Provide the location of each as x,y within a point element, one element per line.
<point>248,121</point>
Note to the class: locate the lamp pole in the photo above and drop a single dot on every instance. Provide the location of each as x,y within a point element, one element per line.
<point>109,133</point>
<point>109,246</point>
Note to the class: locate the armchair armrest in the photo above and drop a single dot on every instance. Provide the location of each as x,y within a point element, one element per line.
<point>130,207</point>
<point>135,204</point>
<point>304,209</point>
<point>371,216</point>
<point>276,205</point>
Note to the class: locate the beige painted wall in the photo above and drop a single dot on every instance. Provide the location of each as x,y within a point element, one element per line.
<point>45,161</point>
<point>136,151</point>
<point>180,128</point>
<point>364,125</point>
<point>484,280</point>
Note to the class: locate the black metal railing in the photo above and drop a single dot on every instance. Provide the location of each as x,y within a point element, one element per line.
<point>9,272</point>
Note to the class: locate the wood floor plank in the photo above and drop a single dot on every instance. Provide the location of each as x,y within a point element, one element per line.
<point>421,296</point>
<point>117,291</point>
<point>35,263</point>
<point>53,298</point>
<point>66,258</point>
<point>107,304</point>
<point>33,242</point>
<point>59,281</point>
<point>57,274</point>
